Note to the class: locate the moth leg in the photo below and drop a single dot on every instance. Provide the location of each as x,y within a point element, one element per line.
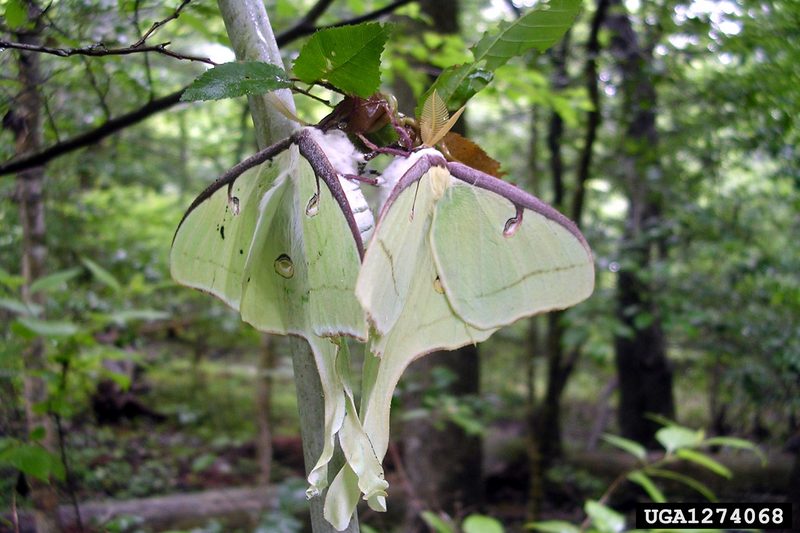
<point>361,179</point>
<point>375,149</point>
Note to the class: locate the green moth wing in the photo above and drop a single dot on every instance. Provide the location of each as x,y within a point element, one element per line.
<point>398,288</point>
<point>494,277</point>
<point>211,246</point>
<point>302,265</point>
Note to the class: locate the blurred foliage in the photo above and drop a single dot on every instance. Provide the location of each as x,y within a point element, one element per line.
<point>727,287</point>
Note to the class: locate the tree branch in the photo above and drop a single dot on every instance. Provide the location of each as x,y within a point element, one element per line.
<point>114,125</point>
<point>92,136</point>
<point>99,50</point>
<point>156,25</point>
<point>372,15</point>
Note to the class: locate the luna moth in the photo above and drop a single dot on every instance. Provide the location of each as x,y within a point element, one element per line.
<point>456,255</point>
<point>285,253</point>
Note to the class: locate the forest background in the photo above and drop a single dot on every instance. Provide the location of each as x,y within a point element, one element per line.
<point>667,130</point>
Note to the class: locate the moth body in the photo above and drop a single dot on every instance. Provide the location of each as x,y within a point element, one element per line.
<point>345,158</point>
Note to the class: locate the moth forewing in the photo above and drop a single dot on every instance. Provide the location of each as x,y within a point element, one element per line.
<point>212,243</point>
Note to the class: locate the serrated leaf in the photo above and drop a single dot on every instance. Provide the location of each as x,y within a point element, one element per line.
<point>630,446</point>
<point>686,480</point>
<point>705,461</point>
<point>553,526</point>
<point>230,80</point>
<point>644,481</point>
<point>102,275</point>
<point>734,442</point>
<point>54,281</point>
<point>539,28</point>
<point>477,523</point>
<point>348,57</point>
<point>676,437</point>
<point>46,328</point>
<point>604,518</point>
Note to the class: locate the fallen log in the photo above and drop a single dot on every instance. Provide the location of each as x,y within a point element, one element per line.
<point>235,507</point>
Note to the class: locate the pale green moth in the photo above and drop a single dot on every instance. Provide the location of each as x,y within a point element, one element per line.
<point>286,257</point>
<point>453,259</point>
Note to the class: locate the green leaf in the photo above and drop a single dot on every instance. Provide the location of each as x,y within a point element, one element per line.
<point>686,480</point>
<point>54,281</point>
<point>45,328</point>
<point>131,315</point>
<point>733,442</point>
<point>604,518</point>
<point>553,526</point>
<point>230,80</point>
<point>19,307</point>
<point>16,14</point>
<point>630,446</point>
<point>477,523</point>
<point>102,275</point>
<point>457,84</point>
<point>675,437</point>
<point>705,461</point>
<point>37,434</point>
<point>538,29</point>
<point>203,462</point>
<point>33,460</point>
<point>644,481</point>
<point>439,525</point>
<point>348,57</point>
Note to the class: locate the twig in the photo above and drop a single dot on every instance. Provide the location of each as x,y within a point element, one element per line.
<point>372,15</point>
<point>100,50</point>
<point>92,136</point>
<point>14,513</point>
<point>157,25</point>
<point>62,445</point>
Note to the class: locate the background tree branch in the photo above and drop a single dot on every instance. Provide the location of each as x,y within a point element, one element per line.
<point>304,27</point>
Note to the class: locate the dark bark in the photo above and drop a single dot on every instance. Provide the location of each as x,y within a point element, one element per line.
<point>645,376</point>
<point>444,465</point>
<point>27,129</point>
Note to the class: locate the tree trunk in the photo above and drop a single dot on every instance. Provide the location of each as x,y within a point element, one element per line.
<point>264,408</point>
<point>26,124</point>
<point>645,376</point>
<point>251,35</point>
<point>443,465</point>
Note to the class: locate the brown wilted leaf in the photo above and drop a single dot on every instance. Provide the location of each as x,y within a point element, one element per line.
<point>459,148</point>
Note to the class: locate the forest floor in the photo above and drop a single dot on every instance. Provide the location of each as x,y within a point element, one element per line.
<point>203,456</point>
